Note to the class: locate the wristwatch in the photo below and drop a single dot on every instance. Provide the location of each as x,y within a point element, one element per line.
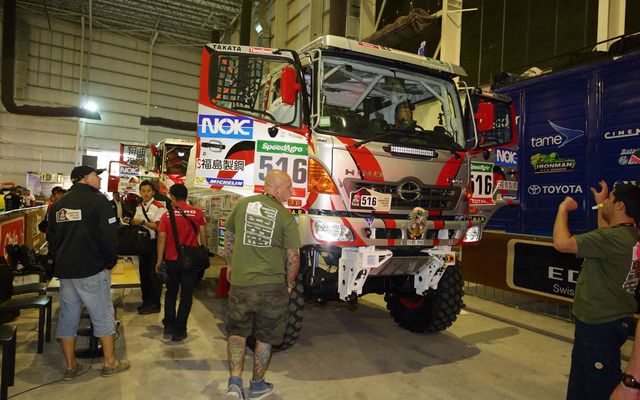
<point>630,382</point>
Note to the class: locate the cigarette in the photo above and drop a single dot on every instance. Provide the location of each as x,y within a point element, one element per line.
<point>597,206</point>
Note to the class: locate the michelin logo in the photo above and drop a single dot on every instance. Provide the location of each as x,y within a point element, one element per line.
<point>225,127</point>
<point>225,182</point>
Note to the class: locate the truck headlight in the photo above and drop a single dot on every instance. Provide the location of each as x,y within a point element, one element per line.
<point>331,232</point>
<point>474,234</point>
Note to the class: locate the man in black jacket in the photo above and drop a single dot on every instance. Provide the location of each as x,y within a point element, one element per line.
<point>83,239</point>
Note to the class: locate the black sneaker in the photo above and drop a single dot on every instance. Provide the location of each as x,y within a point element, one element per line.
<point>168,331</point>
<point>151,309</point>
<point>143,305</point>
<point>178,337</point>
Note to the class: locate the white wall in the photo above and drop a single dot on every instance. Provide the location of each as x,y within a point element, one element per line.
<point>118,81</point>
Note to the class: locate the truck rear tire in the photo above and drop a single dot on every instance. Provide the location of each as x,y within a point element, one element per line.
<point>429,314</point>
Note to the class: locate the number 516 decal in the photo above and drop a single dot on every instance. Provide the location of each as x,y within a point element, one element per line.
<point>291,158</point>
<point>481,183</point>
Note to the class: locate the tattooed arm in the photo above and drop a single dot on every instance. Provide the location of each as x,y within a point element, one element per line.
<point>229,241</point>
<point>292,267</point>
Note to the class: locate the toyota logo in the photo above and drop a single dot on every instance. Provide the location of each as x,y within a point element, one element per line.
<point>534,190</point>
<point>409,191</point>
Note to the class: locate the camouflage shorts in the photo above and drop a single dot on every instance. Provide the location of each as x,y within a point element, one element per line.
<point>262,311</point>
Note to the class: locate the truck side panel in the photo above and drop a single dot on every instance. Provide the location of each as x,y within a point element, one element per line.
<point>575,129</point>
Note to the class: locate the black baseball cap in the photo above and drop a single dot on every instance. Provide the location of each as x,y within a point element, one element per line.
<point>83,170</point>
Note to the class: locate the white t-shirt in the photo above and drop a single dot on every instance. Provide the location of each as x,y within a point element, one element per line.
<point>154,210</point>
<point>29,200</point>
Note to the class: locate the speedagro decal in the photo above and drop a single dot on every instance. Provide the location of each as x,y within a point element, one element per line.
<point>282,147</point>
<point>564,136</point>
<point>551,163</point>
<point>226,127</point>
<point>535,190</point>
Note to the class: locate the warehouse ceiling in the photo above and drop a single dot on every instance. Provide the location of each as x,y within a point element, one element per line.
<point>175,21</point>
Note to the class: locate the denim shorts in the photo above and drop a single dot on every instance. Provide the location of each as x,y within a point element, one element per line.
<point>95,293</point>
<point>261,310</point>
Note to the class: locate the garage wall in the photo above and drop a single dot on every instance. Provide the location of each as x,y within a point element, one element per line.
<point>116,78</point>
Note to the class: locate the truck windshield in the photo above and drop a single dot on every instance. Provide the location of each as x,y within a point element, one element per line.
<point>364,101</point>
<point>251,85</point>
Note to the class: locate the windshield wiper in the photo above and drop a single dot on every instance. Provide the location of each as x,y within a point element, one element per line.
<point>372,139</point>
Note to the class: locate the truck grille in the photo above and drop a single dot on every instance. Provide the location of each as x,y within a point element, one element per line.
<point>431,197</point>
<point>397,233</point>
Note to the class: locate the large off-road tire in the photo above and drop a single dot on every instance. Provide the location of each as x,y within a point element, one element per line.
<point>296,307</point>
<point>429,314</point>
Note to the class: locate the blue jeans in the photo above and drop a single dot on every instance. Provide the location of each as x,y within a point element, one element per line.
<point>184,281</point>
<point>595,359</point>
<point>94,292</point>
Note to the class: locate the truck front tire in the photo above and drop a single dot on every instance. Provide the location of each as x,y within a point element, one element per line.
<point>294,325</point>
<point>429,314</point>
<point>296,308</point>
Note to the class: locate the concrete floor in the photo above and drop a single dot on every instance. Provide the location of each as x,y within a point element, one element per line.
<point>491,352</point>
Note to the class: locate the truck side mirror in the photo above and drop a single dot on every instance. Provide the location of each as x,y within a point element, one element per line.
<point>288,85</point>
<point>484,117</point>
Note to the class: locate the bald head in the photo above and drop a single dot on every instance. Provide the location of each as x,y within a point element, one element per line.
<point>278,184</point>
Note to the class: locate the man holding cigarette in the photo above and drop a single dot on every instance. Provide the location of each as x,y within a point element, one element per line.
<point>604,302</point>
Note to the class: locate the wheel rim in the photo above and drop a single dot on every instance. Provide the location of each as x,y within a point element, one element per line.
<point>412,303</point>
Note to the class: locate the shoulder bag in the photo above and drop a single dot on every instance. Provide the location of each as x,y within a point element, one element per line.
<point>134,240</point>
<point>190,258</point>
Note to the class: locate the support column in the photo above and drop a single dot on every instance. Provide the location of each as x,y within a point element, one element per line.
<point>280,23</point>
<point>316,15</point>
<point>367,18</point>
<point>149,81</point>
<point>451,31</point>
<point>245,23</point>
<point>610,21</point>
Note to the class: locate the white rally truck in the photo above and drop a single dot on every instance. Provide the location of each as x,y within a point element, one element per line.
<point>379,148</point>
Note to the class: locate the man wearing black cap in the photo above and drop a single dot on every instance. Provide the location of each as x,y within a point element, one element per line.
<point>83,239</point>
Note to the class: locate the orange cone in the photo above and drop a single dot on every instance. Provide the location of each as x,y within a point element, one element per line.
<point>223,285</point>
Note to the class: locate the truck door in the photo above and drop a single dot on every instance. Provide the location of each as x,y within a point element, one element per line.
<point>250,120</point>
<point>492,143</point>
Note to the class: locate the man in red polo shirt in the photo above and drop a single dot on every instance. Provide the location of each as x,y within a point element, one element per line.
<point>179,279</point>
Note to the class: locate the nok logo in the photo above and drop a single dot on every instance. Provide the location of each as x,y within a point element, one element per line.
<point>225,126</point>
<point>127,170</point>
<point>551,163</point>
<point>561,138</point>
<point>507,157</point>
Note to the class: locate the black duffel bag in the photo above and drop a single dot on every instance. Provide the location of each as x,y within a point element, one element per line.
<point>133,240</point>
<point>190,258</point>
